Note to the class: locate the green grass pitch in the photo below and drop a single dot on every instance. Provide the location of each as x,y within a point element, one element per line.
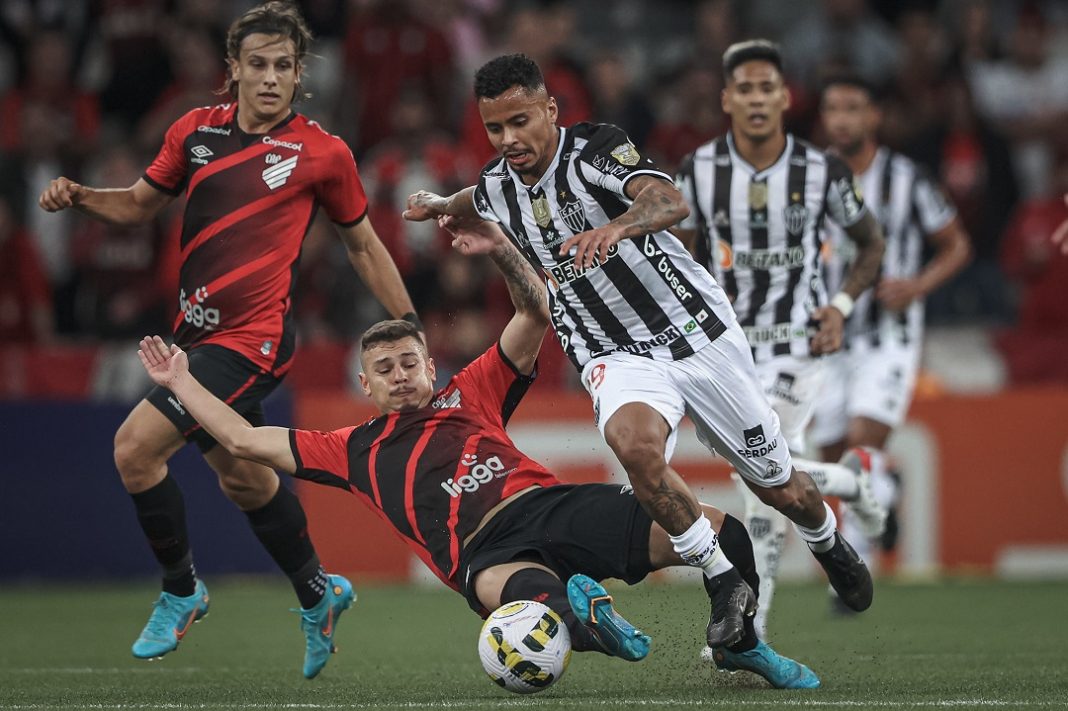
<point>961,643</point>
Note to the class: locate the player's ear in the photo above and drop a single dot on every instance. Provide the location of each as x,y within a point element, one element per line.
<point>365,384</point>
<point>233,65</point>
<point>431,369</point>
<point>554,110</point>
<point>786,96</point>
<point>723,101</point>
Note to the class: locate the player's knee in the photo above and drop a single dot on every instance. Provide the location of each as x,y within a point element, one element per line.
<point>250,487</point>
<point>799,497</point>
<point>642,457</point>
<point>137,464</point>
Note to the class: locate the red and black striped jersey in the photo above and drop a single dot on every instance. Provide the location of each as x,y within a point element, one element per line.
<point>250,199</point>
<point>432,473</point>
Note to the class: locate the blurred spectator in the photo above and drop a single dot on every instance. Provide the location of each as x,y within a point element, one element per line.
<point>842,36</point>
<point>131,32</point>
<point>389,49</point>
<point>49,85</point>
<point>1026,96</point>
<point>25,295</point>
<point>973,40</point>
<point>119,291</point>
<point>1036,348</point>
<point>690,114</point>
<point>617,100</point>
<point>196,61</point>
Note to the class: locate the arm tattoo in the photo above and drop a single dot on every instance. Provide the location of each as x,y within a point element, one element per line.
<point>657,205</point>
<point>524,286</point>
<point>673,510</point>
<point>868,237</point>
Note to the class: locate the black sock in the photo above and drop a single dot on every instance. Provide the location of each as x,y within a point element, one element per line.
<point>283,530</point>
<point>736,544</point>
<point>544,587</point>
<point>161,513</point>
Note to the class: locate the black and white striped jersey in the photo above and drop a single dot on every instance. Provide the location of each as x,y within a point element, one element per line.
<point>910,207</point>
<point>759,233</point>
<point>648,297</point>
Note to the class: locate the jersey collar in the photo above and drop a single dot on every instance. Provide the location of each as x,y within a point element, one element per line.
<point>787,151</point>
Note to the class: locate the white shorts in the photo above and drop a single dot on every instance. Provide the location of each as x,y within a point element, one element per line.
<point>876,383</point>
<point>717,387</point>
<point>792,386</point>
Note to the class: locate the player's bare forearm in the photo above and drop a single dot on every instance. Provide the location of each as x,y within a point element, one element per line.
<point>868,237</point>
<point>524,286</point>
<point>127,207</point>
<point>374,265</point>
<point>425,205</point>
<point>953,250</point>
<point>657,205</point>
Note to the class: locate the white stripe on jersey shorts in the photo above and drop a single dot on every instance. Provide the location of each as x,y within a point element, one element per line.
<point>717,387</point>
<point>866,381</point>
<point>792,385</point>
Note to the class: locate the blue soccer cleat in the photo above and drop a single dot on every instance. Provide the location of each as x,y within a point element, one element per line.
<point>592,604</point>
<point>319,624</point>
<point>170,620</point>
<point>781,672</point>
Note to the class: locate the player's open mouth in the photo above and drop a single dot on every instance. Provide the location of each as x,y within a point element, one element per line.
<point>517,158</point>
<point>758,119</point>
<point>269,97</point>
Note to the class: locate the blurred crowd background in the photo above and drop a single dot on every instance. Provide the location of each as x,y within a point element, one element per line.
<point>975,90</point>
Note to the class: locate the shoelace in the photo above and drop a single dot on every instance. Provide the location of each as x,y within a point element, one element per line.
<point>162,621</point>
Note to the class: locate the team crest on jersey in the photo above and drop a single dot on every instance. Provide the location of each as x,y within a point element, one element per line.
<point>276,175</point>
<point>542,215</point>
<point>574,216</point>
<point>795,217</point>
<point>272,158</point>
<point>626,154</point>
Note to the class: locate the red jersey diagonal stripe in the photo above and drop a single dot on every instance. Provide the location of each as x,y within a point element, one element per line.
<point>409,471</point>
<point>236,216</point>
<point>229,278</point>
<point>217,166</point>
<point>372,458</point>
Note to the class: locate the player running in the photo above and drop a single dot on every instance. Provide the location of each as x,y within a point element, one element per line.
<point>652,333</point>
<point>254,172</point>
<point>869,385</point>
<point>440,469</point>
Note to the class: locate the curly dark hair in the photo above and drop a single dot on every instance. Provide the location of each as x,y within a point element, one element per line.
<point>278,17</point>
<point>750,50</point>
<point>498,75</point>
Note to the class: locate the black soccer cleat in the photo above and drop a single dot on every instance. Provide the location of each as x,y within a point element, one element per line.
<point>888,541</point>
<point>847,574</point>
<point>732,601</point>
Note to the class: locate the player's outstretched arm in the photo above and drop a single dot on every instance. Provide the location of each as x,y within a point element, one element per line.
<point>522,337</point>
<point>372,261</point>
<point>657,205</point>
<point>134,205</point>
<point>425,205</point>
<point>168,366</point>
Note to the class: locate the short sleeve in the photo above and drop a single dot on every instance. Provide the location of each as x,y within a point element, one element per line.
<point>322,456</point>
<point>493,385</point>
<point>341,192</point>
<point>845,202</point>
<point>609,160</point>
<point>934,209</point>
<point>482,203</point>
<point>684,181</point>
<point>169,170</point>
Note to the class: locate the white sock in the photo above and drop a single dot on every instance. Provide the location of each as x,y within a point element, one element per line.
<point>831,479</point>
<point>699,547</point>
<point>821,538</point>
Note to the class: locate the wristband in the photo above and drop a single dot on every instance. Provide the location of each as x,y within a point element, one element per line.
<point>413,318</point>
<point>843,302</point>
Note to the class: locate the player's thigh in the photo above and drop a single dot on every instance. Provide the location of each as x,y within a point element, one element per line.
<point>489,583</point>
<point>830,422</point>
<point>143,443</point>
<point>883,382</point>
<point>641,390</point>
<point>248,484</point>
<point>731,412</point>
<point>792,386</point>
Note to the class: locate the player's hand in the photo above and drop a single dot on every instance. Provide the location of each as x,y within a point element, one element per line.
<point>897,294</point>
<point>1060,235</point>
<point>424,205</point>
<point>164,363</point>
<point>592,244</point>
<point>828,338</point>
<point>60,194</point>
<point>472,235</point>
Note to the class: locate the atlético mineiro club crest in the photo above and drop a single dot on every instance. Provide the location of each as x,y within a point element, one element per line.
<point>795,216</point>
<point>276,175</point>
<point>574,216</point>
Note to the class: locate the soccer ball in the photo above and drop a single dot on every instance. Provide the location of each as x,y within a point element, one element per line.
<point>524,647</point>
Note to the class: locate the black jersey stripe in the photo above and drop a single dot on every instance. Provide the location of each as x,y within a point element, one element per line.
<point>796,178</point>
<point>721,213</point>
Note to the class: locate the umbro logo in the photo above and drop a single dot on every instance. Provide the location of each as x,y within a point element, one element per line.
<point>201,151</point>
<point>276,175</point>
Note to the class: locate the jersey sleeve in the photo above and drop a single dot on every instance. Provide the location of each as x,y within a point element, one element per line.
<point>168,172</point>
<point>845,202</point>
<point>482,203</point>
<point>322,457</point>
<point>493,385</point>
<point>341,192</point>
<point>684,181</point>
<point>609,160</point>
<point>934,209</point>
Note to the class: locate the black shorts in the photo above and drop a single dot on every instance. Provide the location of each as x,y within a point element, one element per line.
<point>227,375</point>
<point>597,529</point>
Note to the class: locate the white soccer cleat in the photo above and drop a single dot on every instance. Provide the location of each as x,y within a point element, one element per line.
<point>871,515</point>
